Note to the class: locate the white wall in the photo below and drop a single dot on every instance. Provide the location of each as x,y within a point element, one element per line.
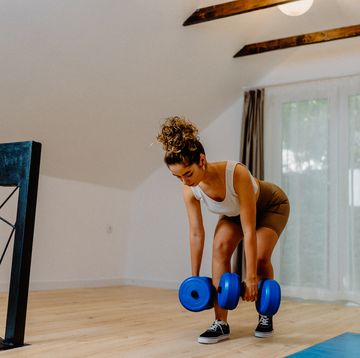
<point>158,248</point>
<point>148,243</point>
<point>80,235</point>
<point>308,63</point>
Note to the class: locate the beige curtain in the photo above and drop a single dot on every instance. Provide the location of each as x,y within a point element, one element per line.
<point>252,133</point>
<point>251,146</point>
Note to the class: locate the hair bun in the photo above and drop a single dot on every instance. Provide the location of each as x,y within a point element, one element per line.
<point>178,133</point>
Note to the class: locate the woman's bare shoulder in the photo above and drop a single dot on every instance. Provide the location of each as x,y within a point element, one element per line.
<point>241,173</point>
<point>220,165</point>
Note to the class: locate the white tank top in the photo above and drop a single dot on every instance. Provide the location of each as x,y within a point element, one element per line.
<point>230,206</point>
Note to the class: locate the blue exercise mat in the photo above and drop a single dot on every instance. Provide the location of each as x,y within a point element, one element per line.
<point>346,345</point>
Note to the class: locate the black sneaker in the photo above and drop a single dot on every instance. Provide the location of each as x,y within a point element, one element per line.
<point>217,332</point>
<point>265,327</point>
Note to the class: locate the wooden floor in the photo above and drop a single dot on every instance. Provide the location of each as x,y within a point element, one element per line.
<point>144,322</point>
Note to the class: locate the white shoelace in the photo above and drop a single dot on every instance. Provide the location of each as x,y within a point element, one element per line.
<point>264,320</point>
<point>215,325</point>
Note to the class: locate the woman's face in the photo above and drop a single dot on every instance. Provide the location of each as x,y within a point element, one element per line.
<point>190,175</point>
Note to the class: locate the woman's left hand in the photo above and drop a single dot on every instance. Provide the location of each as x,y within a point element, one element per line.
<point>251,290</point>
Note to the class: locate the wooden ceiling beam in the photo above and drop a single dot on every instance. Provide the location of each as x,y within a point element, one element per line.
<point>300,40</point>
<point>229,9</point>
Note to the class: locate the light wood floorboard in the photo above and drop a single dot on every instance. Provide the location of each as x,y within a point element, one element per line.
<point>145,322</point>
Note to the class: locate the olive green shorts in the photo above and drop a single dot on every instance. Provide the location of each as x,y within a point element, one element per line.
<point>272,208</point>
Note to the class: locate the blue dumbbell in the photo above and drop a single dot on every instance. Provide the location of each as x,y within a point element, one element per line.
<point>197,293</point>
<point>230,290</point>
<point>269,297</point>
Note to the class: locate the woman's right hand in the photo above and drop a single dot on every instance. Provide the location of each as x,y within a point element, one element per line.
<point>250,292</point>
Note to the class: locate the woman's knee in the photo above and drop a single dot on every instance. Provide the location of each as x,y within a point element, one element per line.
<point>226,239</point>
<point>222,249</point>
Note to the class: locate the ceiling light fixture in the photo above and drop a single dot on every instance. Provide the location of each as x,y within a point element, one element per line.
<point>296,8</point>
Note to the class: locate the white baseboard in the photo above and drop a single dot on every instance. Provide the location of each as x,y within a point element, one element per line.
<point>56,285</point>
<point>151,283</point>
<point>321,295</point>
<point>88,283</point>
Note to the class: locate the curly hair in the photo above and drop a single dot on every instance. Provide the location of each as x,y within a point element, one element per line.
<point>180,141</point>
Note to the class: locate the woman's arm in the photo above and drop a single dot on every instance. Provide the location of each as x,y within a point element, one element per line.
<point>196,229</point>
<point>245,191</point>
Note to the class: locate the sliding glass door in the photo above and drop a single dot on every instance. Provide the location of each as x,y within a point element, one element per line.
<point>312,150</point>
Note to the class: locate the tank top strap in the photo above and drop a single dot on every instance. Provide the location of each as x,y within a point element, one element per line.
<point>230,168</point>
<point>197,192</point>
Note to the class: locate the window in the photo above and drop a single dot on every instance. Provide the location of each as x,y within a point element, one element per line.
<point>354,191</point>
<point>312,150</point>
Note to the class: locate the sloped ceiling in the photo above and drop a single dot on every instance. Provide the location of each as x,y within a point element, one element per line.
<point>93,79</point>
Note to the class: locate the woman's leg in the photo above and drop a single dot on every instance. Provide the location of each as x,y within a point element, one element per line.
<point>272,215</point>
<point>266,241</point>
<point>227,237</point>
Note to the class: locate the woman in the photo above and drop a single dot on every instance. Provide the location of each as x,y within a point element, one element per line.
<point>249,209</point>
